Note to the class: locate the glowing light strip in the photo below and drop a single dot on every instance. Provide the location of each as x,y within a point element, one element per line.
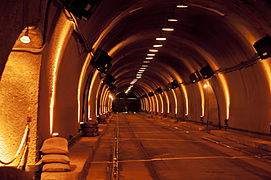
<point>186,98</point>
<point>202,99</point>
<point>90,91</point>
<point>66,28</point>
<point>176,102</point>
<point>227,94</point>
<point>157,103</point>
<point>82,75</point>
<point>168,110</point>
<point>162,103</point>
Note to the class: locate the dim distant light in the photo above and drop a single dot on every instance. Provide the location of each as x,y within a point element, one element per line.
<point>144,65</point>
<point>146,61</point>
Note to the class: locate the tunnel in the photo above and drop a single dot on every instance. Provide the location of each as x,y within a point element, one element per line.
<point>68,62</point>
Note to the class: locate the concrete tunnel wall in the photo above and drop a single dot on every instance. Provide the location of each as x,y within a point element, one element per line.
<point>27,78</point>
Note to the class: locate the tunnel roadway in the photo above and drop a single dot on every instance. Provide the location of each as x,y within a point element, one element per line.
<point>137,147</point>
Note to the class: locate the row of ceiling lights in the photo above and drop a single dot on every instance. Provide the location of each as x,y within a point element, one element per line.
<point>151,53</point>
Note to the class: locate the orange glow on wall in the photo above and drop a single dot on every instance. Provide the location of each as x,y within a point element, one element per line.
<point>168,109</point>
<point>59,44</point>
<point>176,102</point>
<point>90,91</point>
<point>202,98</point>
<point>162,103</point>
<point>226,92</point>
<point>267,70</point>
<point>186,99</point>
<point>80,84</point>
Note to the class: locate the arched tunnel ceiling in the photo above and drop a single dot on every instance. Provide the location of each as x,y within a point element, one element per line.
<point>211,32</point>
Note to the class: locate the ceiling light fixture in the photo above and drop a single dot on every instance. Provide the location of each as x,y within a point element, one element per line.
<point>167,29</point>
<point>146,61</point>
<point>144,65</point>
<point>149,58</point>
<point>150,54</point>
<point>153,50</point>
<point>172,19</point>
<point>181,5</point>
<point>157,45</point>
<point>161,39</point>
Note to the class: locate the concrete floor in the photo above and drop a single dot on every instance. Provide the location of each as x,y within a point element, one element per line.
<point>148,149</point>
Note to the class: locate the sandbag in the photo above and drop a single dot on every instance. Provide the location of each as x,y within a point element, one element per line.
<point>55,145</point>
<point>55,158</point>
<point>56,167</point>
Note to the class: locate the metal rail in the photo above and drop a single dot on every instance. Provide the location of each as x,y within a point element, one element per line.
<point>115,167</point>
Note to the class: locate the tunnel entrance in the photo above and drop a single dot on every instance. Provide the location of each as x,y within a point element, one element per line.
<point>126,103</point>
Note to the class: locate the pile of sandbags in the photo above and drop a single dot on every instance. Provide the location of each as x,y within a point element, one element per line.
<point>90,129</point>
<point>55,155</point>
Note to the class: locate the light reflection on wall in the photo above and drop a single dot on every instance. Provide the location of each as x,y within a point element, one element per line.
<point>226,93</point>
<point>186,99</point>
<point>97,109</point>
<point>63,36</point>
<point>202,98</point>
<point>168,109</point>
<point>157,103</point>
<point>162,103</point>
<point>90,91</point>
<point>80,84</point>
<point>175,100</point>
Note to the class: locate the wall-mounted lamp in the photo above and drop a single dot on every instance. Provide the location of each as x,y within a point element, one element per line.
<point>263,47</point>
<point>206,72</point>
<point>25,38</point>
